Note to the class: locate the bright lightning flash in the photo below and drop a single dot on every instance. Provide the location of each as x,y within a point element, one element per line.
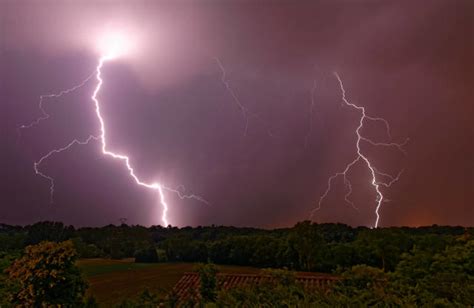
<point>156,186</point>
<point>361,157</point>
<point>113,44</point>
<point>111,47</point>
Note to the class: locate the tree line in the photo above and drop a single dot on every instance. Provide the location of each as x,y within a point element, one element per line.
<point>409,267</point>
<point>305,247</point>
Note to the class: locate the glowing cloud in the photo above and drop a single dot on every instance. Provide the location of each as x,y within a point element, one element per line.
<point>113,44</point>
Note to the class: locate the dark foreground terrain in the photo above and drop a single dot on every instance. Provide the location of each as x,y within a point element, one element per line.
<point>136,266</point>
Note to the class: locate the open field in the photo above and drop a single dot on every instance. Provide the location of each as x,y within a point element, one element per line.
<point>112,281</point>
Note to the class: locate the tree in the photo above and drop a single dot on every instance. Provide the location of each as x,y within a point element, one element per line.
<point>307,243</point>
<point>446,277</point>
<point>48,231</point>
<point>382,247</point>
<point>208,282</point>
<point>46,275</point>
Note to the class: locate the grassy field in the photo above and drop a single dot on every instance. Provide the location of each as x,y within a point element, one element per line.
<point>112,281</point>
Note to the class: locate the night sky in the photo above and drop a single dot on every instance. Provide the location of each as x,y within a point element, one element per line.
<point>410,62</point>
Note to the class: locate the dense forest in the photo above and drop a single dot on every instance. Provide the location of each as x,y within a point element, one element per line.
<point>420,265</point>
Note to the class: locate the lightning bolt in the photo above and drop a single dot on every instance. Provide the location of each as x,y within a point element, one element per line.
<point>375,181</point>
<point>102,139</point>
<point>44,115</point>
<point>37,164</point>
<point>246,113</point>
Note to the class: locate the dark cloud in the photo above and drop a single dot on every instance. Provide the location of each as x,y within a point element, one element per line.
<point>407,61</point>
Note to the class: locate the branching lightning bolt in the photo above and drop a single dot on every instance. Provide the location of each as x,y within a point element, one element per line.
<point>55,151</point>
<point>44,115</point>
<point>102,138</point>
<point>375,181</point>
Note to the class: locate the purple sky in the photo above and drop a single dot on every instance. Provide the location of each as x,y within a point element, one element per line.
<point>409,62</point>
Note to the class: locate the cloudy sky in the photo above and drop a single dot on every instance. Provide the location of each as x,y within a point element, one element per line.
<point>170,108</point>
